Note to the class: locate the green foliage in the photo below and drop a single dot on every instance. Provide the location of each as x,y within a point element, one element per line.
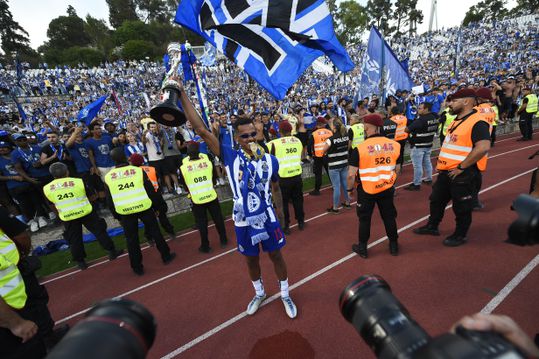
<point>351,20</point>
<point>78,55</point>
<point>139,50</point>
<point>132,30</point>
<point>100,35</point>
<point>13,37</point>
<point>153,10</point>
<point>524,7</point>
<point>486,10</point>
<point>381,12</point>
<point>67,31</point>
<point>120,11</point>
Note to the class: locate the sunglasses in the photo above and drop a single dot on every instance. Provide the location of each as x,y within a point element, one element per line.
<point>248,135</point>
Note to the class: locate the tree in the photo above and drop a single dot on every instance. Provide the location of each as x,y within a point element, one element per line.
<point>487,10</point>
<point>381,11</point>
<point>407,14</point>
<point>99,33</point>
<point>13,37</point>
<point>138,50</point>
<point>474,14</point>
<point>120,11</point>
<point>351,20</point>
<point>152,10</point>
<point>133,30</point>
<point>67,31</point>
<point>332,5</point>
<point>524,7</point>
<point>77,55</point>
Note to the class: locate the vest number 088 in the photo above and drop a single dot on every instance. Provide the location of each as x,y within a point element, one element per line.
<point>382,160</point>
<point>122,186</point>
<point>200,179</point>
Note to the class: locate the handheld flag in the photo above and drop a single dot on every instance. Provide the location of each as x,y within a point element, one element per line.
<point>209,56</point>
<point>21,110</point>
<point>273,41</point>
<point>382,73</point>
<point>88,113</point>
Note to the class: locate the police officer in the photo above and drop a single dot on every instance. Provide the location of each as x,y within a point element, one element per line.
<point>131,195</point>
<point>288,151</point>
<point>69,196</point>
<point>422,131</point>
<point>389,127</point>
<point>400,132</point>
<point>316,142</point>
<point>526,111</point>
<point>356,132</point>
<point>375,160</point>
<point>197,172</point>
<point>461,157</point>
<point>159,205</point>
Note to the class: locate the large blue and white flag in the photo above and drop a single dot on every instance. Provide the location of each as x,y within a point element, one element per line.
<point>274,41</point>
<point>88,113</point>
<point>380,63</point>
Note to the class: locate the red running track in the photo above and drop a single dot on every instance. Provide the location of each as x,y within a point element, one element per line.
<point>199,300</point>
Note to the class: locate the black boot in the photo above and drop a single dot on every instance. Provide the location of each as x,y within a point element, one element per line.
<point>394,248</point>
<point>360,249</point>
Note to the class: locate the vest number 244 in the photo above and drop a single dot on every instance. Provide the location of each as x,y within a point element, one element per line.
<point>122,186</point>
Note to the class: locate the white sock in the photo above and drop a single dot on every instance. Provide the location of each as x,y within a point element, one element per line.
<point>283,284</point>
<point>259,287</point>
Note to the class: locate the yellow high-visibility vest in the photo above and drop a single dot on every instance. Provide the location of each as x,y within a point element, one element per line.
<point>198,178</point>
<point>69,198</point>
<point>359,134</point>
<point>288,152</point>
<point>126,185</point>
<point>12,289</point>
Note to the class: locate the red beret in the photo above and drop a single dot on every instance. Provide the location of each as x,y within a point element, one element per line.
<point>272,131</point>
<point>321,119</point>
<point>374,119</point>
<point>463,93</point>
<point>484,92</point>
<point>285,126</point>
<point>136,159</point>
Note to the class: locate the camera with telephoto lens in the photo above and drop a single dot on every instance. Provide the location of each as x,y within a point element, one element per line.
<point>112,329</point>
<point>388,328</point>
<point>525,229</point>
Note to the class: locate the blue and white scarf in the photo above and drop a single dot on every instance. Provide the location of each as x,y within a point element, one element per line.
<point>252,188</point>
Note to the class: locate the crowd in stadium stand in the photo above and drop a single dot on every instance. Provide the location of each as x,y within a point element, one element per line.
<point>503,56</point>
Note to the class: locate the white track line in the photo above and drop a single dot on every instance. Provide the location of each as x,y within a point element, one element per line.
<point>500,297</point>
<point>313,276</point>
<point>229,219</point>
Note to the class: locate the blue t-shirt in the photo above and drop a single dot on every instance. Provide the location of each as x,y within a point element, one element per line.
<point>28,156</point>
<point>7,168</point>
<point>101,149</point>
<point>231,160</point>
<point>79,154</point>
<point>226,136</point>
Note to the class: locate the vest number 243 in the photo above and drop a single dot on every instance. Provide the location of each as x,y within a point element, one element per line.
<point>65,195</point>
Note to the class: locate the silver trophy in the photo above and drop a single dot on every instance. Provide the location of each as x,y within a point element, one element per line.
<point>167,112</point>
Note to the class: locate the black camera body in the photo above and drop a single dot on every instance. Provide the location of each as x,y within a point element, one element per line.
<point>525,229</point>
<point>387,327</point>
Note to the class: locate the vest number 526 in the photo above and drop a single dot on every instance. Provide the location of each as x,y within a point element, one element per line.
<point>382,160</point>
<point>122,186</point>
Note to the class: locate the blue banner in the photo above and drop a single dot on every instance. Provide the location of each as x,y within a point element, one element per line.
<point>273,42</point>
<point>88,113</point>
<point>382,73</point>
<point>210,54</point>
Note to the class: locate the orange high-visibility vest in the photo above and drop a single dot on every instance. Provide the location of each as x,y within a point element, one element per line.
<point>401,122</point>
<point>320,136</point>
<point>458,144</point>
<point>152,175</point>
<point>377,160</point>
<point>488,113</point>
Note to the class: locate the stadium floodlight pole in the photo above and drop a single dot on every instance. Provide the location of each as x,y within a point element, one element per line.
<point>433,14</point>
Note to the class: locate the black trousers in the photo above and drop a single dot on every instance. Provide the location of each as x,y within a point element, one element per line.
<point>493,136</point>
<point>35,310</point>
<point>525,125</point>
<point>29,200</point>
<point>73,234</point>
<point>400,160</point>
<point>459,190</point>
<point>478,183</point>
<point>318,164</point>
<point>200,211</point>
<point>292,191</point>
<point>388,212</point>
<point>130,226</point>
<point>163,221</point>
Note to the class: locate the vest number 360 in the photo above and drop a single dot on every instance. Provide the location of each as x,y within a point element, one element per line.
<point>122,186</point>
<point>291,150</point>
<point>382,160</point>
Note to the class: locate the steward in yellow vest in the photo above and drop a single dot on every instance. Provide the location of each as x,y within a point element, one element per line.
<point>287,149</point>
<point>375,161</point>
<point>68,195</point>
<point>446,118</point>
<point>130,194</point>
<point>526,111</point>
<point>159,205</point>
<point>356,133</point>
<point>462,157</point>
<point>197,171</point>
<point>489,111</point>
